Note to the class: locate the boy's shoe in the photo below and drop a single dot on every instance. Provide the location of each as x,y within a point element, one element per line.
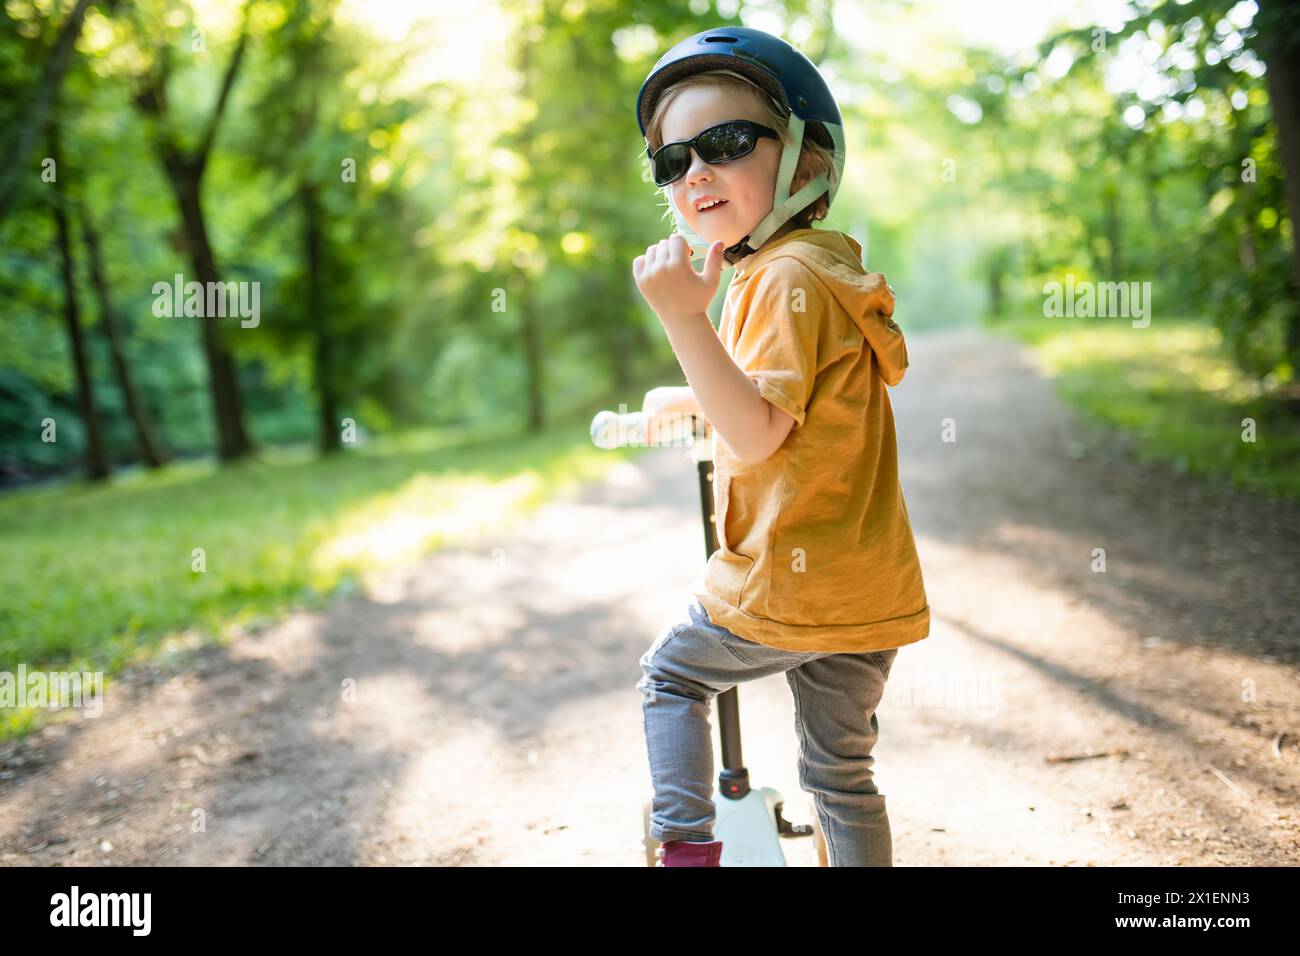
<point>685,853</point>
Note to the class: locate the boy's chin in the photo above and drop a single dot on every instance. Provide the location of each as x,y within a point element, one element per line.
<point>710,236</point>
<point>727,241</point>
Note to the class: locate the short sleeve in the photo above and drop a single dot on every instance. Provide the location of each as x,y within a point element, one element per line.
<point>778,320</point>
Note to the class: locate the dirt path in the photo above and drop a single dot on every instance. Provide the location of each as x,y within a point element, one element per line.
<point>480,708</point>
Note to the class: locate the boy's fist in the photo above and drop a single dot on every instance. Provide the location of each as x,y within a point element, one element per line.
<point>670,284</point>
<point>667,410</point>
<point>656,401</point>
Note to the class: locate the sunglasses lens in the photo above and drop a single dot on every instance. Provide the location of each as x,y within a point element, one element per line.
<point>670,162</point>
<point>728,141</point>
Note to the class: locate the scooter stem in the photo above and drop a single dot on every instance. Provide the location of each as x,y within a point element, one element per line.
<point>733,781</point>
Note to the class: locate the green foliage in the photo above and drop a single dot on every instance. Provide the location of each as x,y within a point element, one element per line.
<point>1177,181</point>
<point>479,263</point>
<point>1173,390</point>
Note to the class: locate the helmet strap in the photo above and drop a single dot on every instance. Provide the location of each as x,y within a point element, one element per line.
<point>784,205</point>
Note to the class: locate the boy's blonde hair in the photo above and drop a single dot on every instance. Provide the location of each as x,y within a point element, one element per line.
<point>814,158</point>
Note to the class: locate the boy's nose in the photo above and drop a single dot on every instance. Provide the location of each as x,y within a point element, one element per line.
<point>697,168</point>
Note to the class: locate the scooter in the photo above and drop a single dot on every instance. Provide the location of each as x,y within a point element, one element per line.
<point>748,821</point>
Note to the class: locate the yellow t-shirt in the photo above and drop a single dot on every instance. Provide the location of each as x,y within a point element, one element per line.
<point>815,550</point>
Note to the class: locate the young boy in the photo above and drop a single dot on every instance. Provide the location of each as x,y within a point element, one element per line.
<point>816,574</point>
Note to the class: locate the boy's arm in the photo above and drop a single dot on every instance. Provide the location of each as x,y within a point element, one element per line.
<point>751,426</point>
<point>669,400</point>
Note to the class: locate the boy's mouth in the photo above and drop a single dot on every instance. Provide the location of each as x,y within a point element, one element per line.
<point>716,204</point>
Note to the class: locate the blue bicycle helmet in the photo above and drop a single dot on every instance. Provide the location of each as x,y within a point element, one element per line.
<point>792,81</point>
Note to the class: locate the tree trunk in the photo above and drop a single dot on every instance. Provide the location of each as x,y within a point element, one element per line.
<point>619,341</point>
<point>1110,196</point>
<point>532,361</point>
<point>323,359</point>
<point>185,174</point>
<point>1279,28</point>
<point>227,407</point>
<point>995,288</point>
<point>528,315</point>
<point>1153,204</point>
<point>34,116</point>
<point>136,408</point>
<point>96,458</point>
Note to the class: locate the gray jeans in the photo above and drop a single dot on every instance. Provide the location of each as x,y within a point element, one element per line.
<point>835,701</point>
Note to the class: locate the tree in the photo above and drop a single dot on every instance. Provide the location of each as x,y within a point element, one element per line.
<point>97,467</point>
<point>1211,51</point>
<point>141,420</point>
<point>185,169</point>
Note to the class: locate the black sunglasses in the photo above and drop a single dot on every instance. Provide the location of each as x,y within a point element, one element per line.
<point>717,144</point>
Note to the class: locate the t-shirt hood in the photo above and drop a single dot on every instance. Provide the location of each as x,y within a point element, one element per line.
<point>836,259</point>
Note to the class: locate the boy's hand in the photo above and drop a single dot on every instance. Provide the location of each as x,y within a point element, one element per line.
<point>653,407</point>
<point>656,401</point>
<point>670,284</point>
<point>667,409</point>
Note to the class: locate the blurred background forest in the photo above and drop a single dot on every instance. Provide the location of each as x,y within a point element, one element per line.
<point>381,168</point>
<point>440,204</point>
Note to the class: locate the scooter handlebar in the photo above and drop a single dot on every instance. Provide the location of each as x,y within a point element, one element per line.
<point>615,430</point>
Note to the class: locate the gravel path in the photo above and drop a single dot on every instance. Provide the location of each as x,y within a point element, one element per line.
<point>479,708</point>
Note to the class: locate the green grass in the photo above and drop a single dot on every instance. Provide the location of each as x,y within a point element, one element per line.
<point>95,577</point>
<point>1173,388</point>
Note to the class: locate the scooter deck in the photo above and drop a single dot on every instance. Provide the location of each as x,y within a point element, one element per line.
<point>747,829</point>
